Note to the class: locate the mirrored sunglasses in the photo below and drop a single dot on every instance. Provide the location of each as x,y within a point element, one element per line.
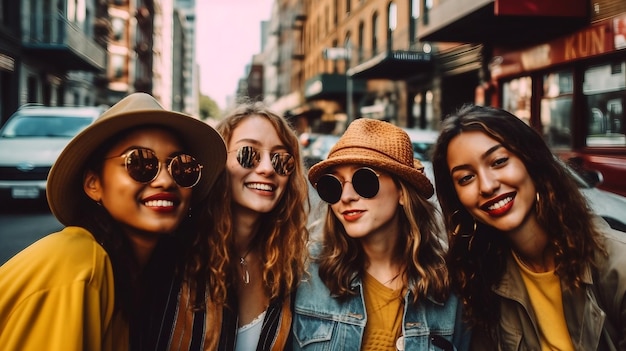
<point>282,162</point>
<point>144,166</point>
<point>364,181</point>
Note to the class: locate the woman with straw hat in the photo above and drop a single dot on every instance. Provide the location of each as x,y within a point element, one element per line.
<point>123,187</point>
<point>378,278</point>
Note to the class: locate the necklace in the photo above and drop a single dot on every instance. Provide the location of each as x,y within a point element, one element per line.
<point>392,279</point>
<point>244,266</point>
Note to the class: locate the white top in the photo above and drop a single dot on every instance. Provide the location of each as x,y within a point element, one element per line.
<point>249,334</point>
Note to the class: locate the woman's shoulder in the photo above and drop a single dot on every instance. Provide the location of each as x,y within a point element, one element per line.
<point>68,255</point>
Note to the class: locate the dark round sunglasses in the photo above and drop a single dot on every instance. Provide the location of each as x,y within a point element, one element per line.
<point>144,166</point>
<point>364,181</point>
<point>282,162</point>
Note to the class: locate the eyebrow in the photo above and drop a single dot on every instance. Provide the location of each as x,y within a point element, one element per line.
<point>486,154</point>
<point>258,144</point>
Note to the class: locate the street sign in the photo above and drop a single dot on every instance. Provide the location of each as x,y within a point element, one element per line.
<point>335,54</point>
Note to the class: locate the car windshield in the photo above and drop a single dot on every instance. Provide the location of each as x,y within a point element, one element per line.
<point>45,126</point>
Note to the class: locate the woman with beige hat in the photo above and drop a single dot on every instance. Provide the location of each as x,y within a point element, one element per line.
<point>378,278</point>
<point>123,187</point>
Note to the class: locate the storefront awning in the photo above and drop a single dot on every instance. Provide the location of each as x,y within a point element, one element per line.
<point>393,65</point>
<point>503,22</point>
<point>331,86</point>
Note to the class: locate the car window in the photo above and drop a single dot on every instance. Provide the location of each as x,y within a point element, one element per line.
<point>48,126</point>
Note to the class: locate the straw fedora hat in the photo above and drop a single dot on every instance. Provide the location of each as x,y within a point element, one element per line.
<point>64,188</point>
<point>379,145</point>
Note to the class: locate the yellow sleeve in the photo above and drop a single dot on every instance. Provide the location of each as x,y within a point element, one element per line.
<point>58,294</point>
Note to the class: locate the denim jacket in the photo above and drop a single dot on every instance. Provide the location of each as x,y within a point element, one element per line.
<point>322,322</point>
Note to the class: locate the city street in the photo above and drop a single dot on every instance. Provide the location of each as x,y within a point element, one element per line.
<point>22,225</point>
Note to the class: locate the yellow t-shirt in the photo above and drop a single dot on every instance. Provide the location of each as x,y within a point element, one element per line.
<point>384,307</point>
<point>58,294</point>
<point>544,290</point>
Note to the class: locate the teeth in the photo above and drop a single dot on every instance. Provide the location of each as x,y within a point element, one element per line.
<point>159,203</point>
<point>500,203</point>
<point>259,186</point>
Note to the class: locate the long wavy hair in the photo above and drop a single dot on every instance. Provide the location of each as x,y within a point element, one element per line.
<point>477,256</point>
<point>282,234</point>
<point>342,260</point>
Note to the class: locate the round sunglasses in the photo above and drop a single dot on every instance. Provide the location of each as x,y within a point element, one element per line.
<point>249,157</point>
<point>364,181</point>
<point>144,166</point>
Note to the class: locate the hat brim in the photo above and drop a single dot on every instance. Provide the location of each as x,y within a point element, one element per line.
<point>372,158</point>
<point>64,185</point>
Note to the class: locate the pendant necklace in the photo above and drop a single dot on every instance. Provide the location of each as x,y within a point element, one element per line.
<point>244,266</point>
<point>392,279</point>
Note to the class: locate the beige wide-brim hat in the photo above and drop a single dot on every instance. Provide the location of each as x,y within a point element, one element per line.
<point>379,145</point>
<point>64,188</point>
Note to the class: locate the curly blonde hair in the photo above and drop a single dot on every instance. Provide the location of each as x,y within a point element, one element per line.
<point>282,234</point>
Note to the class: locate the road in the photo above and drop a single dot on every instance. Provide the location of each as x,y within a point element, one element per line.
<point>24,224</point>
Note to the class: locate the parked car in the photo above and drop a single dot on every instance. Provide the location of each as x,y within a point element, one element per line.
<point>611,206</point>
<point>30,142</point>
<point>318,150</point>
<point>423,141</point>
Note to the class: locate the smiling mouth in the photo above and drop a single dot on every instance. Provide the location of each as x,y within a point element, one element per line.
<point>259,186</point>
<point>159,203</point>
<point>499,204</point>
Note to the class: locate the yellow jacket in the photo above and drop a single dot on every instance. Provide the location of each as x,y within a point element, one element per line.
<point>58,294</point>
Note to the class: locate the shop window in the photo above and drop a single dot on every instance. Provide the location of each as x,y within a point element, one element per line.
<point>516,96</point>
<point>556,108</point>
<point>119,27</point>
<point>604,89</point>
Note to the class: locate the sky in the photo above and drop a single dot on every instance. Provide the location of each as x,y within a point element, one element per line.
<point>228,34</point>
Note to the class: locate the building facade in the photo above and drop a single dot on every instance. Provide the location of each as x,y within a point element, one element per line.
<point>559,65</point>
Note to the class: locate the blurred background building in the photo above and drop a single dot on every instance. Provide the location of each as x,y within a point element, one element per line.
<point>559,65</point>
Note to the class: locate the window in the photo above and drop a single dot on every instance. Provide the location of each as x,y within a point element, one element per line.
<point>516,95</point>
<point>392,23</point>
<point>604,89</point>
<point>414,13</point>
<point>361,41</point>
<point>556,108</point>
<point>374,34</point>
<point>117,66</point>
<point>118,26</point>
<point>348,9</point>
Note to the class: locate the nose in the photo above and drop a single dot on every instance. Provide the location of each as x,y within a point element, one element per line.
<point>488,184</point>
<point>265,164</point>
<point>348,193</point>
<point>164,178</point>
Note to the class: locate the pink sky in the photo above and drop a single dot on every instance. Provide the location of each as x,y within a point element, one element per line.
<point>228,34</point>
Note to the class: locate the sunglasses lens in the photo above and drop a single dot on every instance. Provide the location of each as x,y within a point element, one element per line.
<point>283,163</point>
<point>142,165</point>
<point>185,170</point>
<point>247,156</point>
<point>329,188</point>
<point>365,183</point>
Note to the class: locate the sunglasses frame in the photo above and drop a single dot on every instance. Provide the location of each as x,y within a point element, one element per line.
<point>357,188</point>
<point>256,159</point>
<point>168,162</point>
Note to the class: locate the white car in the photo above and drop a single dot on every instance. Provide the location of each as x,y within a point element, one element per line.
<point>30,142</point>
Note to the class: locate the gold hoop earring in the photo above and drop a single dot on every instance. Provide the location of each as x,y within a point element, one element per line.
<point>537,203</point>
<point>458,227</point>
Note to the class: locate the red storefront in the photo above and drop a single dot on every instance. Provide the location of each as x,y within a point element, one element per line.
<point>573,90</point>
